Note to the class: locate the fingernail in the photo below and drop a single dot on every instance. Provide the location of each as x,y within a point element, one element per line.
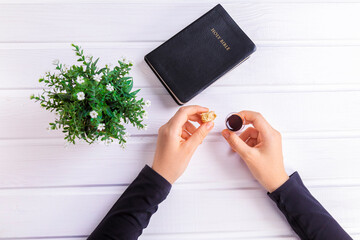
<point>226,134</point>
<point>209,125</point>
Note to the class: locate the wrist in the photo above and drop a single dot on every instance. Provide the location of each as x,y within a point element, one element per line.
<point>277,182</point>
<point>162,172</point>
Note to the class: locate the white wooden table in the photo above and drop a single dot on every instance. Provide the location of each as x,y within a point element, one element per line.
<point>304,78</point>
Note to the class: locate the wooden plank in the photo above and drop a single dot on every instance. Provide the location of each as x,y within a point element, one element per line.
<point>76,211</point>
<point>65,22</point>
<point>192,236</point>
<point>161,1</point>
<point>179,236</point>
<point>46,163</point>
<point>212,236</point>
<point>287,112</point>
<point>303,64</point>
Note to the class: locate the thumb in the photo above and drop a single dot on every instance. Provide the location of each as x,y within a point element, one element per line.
<point>198,136</point>
<point>236,143</point>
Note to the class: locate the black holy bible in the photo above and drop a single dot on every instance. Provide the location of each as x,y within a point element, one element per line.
<point>199,54</point>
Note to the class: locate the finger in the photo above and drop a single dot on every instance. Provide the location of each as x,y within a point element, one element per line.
<point>257,120</point>
<point>185,135</point>
<point>198,136</point>
<point>183,114</point>
<point>236,143</point>
<point>251,142</point>
<point>189,127</point>
<point>195,118</point>
<point>250,132</point>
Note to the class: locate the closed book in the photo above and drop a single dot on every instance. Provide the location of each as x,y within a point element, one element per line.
<point>201,53</point>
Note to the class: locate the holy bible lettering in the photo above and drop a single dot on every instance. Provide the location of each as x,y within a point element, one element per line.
<point>216,34</point>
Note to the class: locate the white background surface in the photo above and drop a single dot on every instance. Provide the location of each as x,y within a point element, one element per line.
<point>304,78</point>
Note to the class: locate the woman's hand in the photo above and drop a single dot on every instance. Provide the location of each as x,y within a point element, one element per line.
<point>178,140</point>
<point>260,148</point>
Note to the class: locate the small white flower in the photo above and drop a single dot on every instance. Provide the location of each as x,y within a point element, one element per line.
<point>80,96</point>
<point>122,145</point>
<point>145,127</point>
<point>93,114</point>
<point>101,126</point>
<point>130,61</point>
<point>123,59</point>
<point>109,65</point>
<point>98,77</point>
<point>145,115</point>
<point>55,62</point>
<point>65,68</point>
<point>110,87</point>
<point>147,103</point>
<point>80,80</point>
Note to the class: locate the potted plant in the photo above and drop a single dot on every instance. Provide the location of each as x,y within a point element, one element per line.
<point>92,103</point>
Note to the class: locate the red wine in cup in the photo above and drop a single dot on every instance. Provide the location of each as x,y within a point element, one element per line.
<point>234,122</point>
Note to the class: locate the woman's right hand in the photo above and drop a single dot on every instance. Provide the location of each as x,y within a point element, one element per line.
<point>177,141</point>
<point>260,147</point>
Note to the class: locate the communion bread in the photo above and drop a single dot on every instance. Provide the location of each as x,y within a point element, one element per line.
<point>208,117</point>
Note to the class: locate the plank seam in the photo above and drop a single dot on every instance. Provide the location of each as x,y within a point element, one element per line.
<point>18,45</point>
<point>298,88</point>
<point>231,234</point>
<point>190,186</point>
<point>212,137</point>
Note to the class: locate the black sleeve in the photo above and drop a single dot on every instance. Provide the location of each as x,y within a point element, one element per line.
<point>131,213</point>
<point>306,215</point>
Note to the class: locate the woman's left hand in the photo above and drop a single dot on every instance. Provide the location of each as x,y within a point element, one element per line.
<point>177,141</point>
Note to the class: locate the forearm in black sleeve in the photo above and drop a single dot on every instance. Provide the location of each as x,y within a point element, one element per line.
<point>306,215</point>
<point>131,213</point>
